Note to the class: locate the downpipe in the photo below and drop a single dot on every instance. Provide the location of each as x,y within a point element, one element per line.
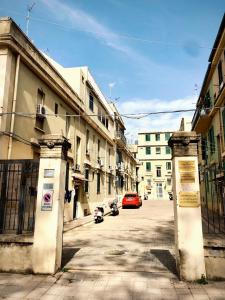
<point>13,107</point>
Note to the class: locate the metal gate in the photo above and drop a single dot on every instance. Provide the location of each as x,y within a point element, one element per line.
<point>213,202</point>
<point>18,193</point>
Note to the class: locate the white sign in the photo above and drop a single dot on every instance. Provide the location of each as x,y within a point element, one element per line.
<point>47,200</point>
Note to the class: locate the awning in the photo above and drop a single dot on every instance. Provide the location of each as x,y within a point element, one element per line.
<point>79,176</point>
<point>87,162</point>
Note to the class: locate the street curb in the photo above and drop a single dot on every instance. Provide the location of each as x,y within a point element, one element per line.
<point>82,221</point>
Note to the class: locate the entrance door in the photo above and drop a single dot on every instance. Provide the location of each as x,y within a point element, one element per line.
<point>76,196</point>
<point>18,193</point>
<point>159,190</point>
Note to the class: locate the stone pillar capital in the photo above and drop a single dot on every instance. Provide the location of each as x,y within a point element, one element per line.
<point>184,143</point>
<point>54,146</point>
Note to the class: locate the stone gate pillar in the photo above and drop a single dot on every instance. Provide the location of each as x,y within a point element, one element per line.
<point>47,247</point>
<point>187,209</point>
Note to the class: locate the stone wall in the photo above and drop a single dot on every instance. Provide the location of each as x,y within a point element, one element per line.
<point>214,247</point>
<point>15,253</point>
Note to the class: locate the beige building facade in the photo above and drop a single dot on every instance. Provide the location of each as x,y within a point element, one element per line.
<point>155,171</point>
<point>209,123</point>
<point>39,97</point>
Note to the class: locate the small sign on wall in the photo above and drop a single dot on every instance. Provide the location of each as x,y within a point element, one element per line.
<point>187,171</point>
<point>49,173</point>
<point>47,200</point>
<point>189,199</point>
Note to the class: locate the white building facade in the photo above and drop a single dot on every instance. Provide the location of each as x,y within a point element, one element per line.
<point>155,171</point>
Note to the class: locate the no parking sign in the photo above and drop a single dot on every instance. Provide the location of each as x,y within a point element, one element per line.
<point>47,200</point>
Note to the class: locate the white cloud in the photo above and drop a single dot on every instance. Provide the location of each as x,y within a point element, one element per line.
<point>159,122</point>
<point>83,21</point>
<point>112,84</point>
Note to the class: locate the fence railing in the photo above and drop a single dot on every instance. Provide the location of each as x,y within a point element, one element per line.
<point>18,193</point>
<point>213,199</point>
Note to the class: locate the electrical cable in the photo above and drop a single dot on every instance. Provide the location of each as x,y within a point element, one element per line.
<point>122,36</point>
<point>129,115</point>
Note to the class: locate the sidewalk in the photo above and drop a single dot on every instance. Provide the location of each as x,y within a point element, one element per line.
<point>95,285</point>
<point>126,257</point>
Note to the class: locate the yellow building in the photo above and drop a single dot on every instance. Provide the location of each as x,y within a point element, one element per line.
<point>209,122</point>
<point>155,171</point>
<point>40,97</point>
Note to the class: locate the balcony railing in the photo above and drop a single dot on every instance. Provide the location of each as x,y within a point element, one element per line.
<point>121,136</point>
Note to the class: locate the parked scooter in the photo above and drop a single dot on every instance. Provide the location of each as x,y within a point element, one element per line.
<point>114,208</point>
<point>99,214</point>
<point>170,196</point>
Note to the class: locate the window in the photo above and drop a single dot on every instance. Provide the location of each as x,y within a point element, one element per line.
<point>158,171</point>
<point>40,119</point>
<point>109,157</point>
<point>87,142</point>
<point>149,182</point>
<point>207,100</point>
<point>168,150</point>
<point>148,166</point>
<point>223,117</point>
<point>91,102</point>
<point>148,150</point>
<point>109,184</point>
<point>56,109</point>
<point>211,140</point>
<point>158,150</point>
<point>102,117</point>
<point>98,148</point>
<point>86,185</point>
<point>169,181</point>
<point>147,137</point>
<point>98,183</point>
<point>67,124</point>
<point>168,165</point>
<point>220,72</point>
<point>78,152</point>
<point>204,148</point>
<point>167,136</point>
<point>157,136</point>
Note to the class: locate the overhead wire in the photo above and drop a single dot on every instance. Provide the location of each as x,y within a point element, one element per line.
<point>116,35</point>
<point>128,115</point>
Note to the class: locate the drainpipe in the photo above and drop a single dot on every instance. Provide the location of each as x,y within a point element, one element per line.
<point>13,106</point>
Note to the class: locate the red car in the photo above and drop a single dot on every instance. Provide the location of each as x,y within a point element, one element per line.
<point>131,199</point>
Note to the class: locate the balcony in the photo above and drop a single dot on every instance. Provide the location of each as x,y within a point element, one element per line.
<point>120,167</point>
<point>120,138</point>
<point>138,178</point>
<point>201,120</point>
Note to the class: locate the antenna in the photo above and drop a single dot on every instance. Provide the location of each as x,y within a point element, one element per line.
<point>196,90</point>
<point>29,9</point>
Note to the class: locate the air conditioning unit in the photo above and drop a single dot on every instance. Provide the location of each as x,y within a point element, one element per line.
<point>110,169</point>
<point>76,167</point>
<point>41,111</point>
<point>122,167</point>
<point>101,163</point>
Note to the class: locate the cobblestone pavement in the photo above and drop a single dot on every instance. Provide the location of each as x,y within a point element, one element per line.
<point>129,256</point>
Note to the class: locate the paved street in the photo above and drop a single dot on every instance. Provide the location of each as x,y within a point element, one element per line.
<point>129,256</point>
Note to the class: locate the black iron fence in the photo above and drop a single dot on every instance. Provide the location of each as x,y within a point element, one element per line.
<point>213,199</point>
<point>18,193</point>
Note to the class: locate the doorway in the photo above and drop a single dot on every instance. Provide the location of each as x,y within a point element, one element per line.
<point>159,190</point>
<point>75,202</point>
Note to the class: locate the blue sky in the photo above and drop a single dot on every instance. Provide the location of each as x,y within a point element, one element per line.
<point>153,52</point>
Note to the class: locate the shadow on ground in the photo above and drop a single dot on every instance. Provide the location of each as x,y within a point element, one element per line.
<point>68,254</point>
<point>166,258</point>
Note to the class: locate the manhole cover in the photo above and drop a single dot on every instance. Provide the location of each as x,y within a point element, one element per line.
<point>116,252</point>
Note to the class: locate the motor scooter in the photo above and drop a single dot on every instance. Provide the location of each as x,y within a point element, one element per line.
<point>114,208</point>
<point>98,214</point>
